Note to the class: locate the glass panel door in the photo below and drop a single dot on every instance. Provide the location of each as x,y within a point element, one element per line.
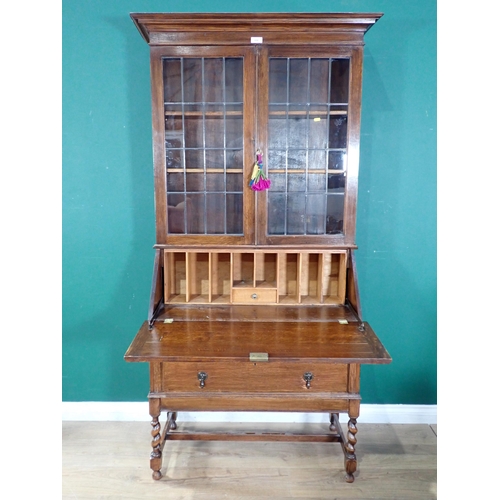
<point>203,104</point>
<point>307,145</point>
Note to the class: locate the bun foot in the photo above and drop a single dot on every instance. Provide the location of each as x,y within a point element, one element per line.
<point>156,475</point>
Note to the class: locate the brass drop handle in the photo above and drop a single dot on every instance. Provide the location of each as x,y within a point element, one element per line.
<point>308,376</point>
<point>202,376</point>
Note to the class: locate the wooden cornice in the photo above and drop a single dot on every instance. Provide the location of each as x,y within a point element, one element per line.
<point>274,28</point>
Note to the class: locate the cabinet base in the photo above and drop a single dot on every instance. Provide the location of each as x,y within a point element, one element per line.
<point>171,433</point>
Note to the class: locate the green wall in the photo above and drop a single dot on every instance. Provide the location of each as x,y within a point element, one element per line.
<point>108,206</point>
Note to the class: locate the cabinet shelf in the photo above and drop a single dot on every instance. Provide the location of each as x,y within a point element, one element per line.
<point>332,112</point>
<point>240,170</point>
<point>312,114</point>
<point>304,171</point>
<point>203,113</point>
<point>204,170</point>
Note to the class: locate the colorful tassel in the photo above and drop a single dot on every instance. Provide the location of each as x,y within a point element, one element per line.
<point>258,181</point>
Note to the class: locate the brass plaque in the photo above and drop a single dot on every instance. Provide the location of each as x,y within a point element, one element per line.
<point>259,356</point>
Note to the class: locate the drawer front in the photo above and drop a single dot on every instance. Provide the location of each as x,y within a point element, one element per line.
<point>258,377</point>
<point>254,296</point>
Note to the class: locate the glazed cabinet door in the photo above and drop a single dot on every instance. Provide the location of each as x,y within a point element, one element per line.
<point>310,102</point>
<point>204,126</point>
<point>215,107</point>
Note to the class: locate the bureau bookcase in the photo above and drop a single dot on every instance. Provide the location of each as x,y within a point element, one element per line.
<point>254,301</point>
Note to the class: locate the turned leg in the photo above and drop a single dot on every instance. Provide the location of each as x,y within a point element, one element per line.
<point>349,451</point>
<point>173,421</point>
<point>156,453</point>
<point>333,425</point>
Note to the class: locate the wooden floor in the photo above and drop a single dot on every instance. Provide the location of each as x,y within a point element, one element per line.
<point>105,460</point>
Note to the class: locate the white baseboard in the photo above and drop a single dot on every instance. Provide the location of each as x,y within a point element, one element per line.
<point>372,414</point>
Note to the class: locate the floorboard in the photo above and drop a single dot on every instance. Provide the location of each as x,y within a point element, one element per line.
<point>108,460</point>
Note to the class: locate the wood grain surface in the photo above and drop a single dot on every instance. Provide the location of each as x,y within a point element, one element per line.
<point>212,340</point>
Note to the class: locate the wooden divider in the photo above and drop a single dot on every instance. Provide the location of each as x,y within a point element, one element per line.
<point>243,277</point>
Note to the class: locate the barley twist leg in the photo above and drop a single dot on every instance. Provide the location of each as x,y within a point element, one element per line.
<point>350,455</point>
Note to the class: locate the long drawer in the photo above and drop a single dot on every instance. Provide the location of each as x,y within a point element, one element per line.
<point>254,377</point>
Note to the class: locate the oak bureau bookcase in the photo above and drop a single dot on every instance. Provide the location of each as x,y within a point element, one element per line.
<point>254,301</point>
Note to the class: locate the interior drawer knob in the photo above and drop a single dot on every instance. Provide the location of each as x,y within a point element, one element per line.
<point>308,376</point>
<point>202,376</point>
<point>254,296</point>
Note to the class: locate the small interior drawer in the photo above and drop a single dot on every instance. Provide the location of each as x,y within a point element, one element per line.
<point>254,295</point>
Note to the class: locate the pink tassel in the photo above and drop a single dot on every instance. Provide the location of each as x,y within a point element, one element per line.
<point>258,181</point>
